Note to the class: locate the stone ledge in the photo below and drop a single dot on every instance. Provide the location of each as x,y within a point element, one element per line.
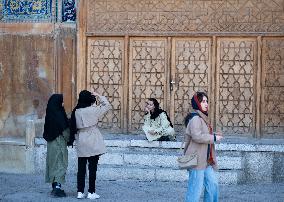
<point>112,158</point>
<point>162,160</point>
<point>123,173</point>
<point>229,162</point>
<point>17,141</point>
<point>160,174</point>
<point>235,167</point>
<point>118,143</point>
<point>258,146</point>
<point>151,160</point>
<point>250,147</point>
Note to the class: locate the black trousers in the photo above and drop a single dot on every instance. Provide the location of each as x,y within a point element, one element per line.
<point>92,165</point>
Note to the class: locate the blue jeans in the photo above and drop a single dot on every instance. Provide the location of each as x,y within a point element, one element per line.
<point>198,178</point>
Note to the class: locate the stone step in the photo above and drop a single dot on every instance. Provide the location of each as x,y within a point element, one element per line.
<point>108,172</point>
<point>146,161</point>
<point>135,158</point>
<point>152,157</point>
<point>162,160</point>
<point>129,156</point>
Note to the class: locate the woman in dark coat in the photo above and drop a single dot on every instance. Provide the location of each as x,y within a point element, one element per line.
<point>56,133</point>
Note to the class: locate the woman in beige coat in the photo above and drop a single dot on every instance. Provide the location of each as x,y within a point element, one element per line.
<point>199,140</point>
<point>90,142</point>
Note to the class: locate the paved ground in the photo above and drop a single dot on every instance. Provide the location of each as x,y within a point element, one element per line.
<point>21,187</point>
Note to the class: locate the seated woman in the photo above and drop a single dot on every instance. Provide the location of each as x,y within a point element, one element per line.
<point>157,124</point>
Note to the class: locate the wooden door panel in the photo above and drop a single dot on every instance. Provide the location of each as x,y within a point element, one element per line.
<point>147,76</point>
<point>191,70</point>
<point>272,110</point>
<point>236,73</point>
<point>105,74</point>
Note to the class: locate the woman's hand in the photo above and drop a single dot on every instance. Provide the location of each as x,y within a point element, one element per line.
<point>219,138</point>
<point>219,133</point>
<point>147,109</point>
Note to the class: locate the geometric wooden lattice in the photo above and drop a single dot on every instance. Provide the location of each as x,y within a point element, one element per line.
<point>236,67</point>
<point>147,75</point>
<point>105,76</point>
<point>173,76</point>
<point>273,86</point>
<point>191,73</point>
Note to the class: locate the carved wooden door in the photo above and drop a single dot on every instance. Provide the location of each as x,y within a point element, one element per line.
<point>148,76</point>
<point>272,97</point>
<point>191,72</point>
<point>106,75</point>
<point>171,70</point>
<point>236,85</point>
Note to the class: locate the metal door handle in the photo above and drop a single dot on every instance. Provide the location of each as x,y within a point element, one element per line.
<point>172,85</point>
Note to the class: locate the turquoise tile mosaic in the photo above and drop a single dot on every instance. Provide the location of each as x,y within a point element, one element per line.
<point>27,10</point>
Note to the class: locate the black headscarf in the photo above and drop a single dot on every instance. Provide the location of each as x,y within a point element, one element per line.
<point>56,120</point>
<point>196,105</point>
<point>86,99</point>
<point>158,111</point>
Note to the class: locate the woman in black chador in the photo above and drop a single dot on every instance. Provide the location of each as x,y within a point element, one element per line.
<point>56,133</point>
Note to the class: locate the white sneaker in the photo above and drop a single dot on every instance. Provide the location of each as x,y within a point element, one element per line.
<point>80,195</point>
<point>93,196</point>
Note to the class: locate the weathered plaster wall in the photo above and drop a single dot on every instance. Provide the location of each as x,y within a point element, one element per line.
<point>66,63</point>
<point>27,80</point>
<point>31,69</point>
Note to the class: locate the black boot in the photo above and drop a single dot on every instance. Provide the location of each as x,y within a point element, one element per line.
<point>53,187</point>
<point>164,138</point>
<point>57,191</point>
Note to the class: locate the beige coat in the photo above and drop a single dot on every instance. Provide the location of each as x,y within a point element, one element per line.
<point>197,138</point>
<point>90,141</point>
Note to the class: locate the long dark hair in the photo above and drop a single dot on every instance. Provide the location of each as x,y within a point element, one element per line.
<point>86,99</point>
<point>158,111</point>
